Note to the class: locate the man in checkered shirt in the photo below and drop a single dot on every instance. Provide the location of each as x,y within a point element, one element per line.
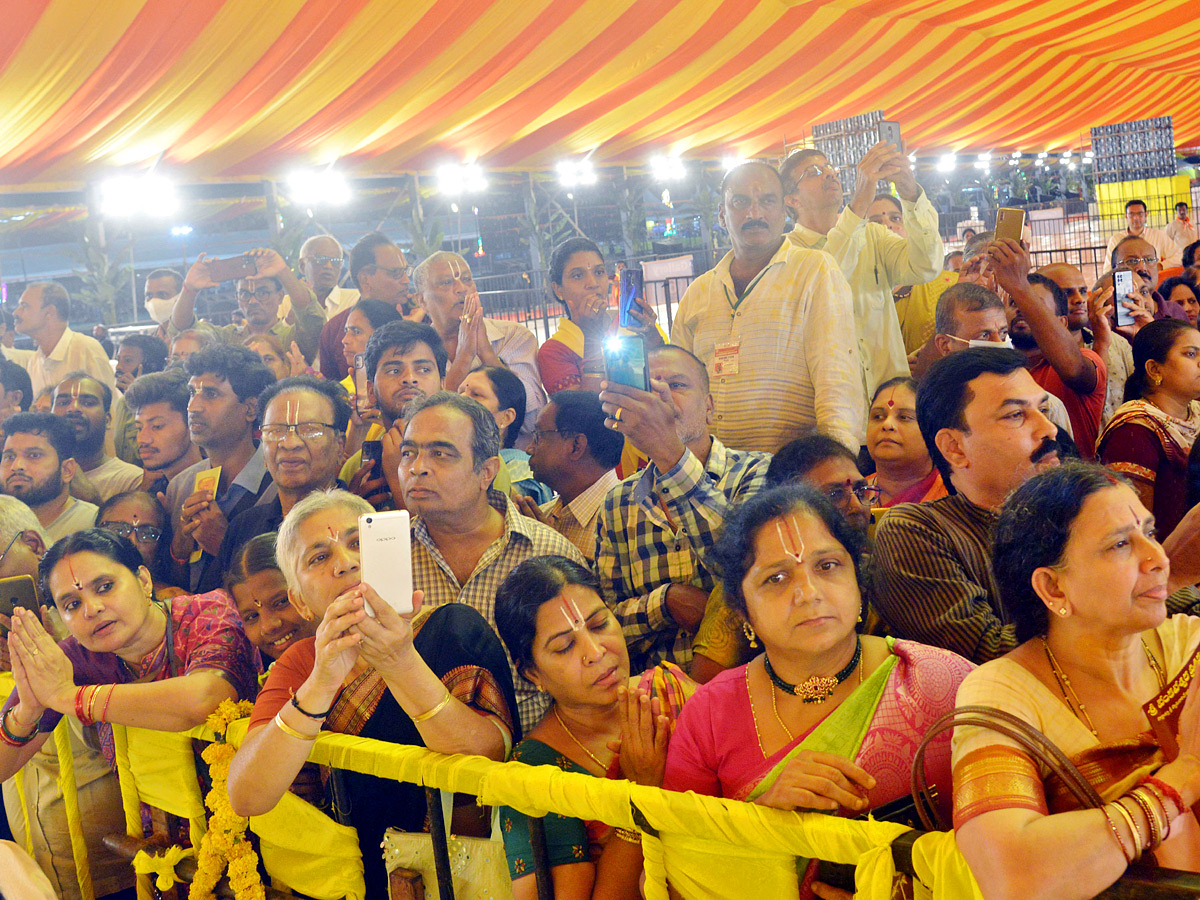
<point>658,526</point>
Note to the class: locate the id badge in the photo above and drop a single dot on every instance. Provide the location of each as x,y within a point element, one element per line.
<point>725,360</point>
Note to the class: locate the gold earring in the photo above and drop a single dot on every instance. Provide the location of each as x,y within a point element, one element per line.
<point>748,630</point>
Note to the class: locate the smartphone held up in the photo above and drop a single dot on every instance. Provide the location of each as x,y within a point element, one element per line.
<point>625,361</point>
<point>385,557</point>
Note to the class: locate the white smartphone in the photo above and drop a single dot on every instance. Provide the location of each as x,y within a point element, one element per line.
<point>385,555</point>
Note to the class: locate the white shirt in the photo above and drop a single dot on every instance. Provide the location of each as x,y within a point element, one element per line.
<point>1168,251</point>
<point>797,352</point>
<point>339,300</point>
<point>1182,233</point>
<point>875,260</point>
<point>74,352</point>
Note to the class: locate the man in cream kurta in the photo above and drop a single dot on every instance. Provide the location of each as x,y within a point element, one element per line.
<point>873,259</point>
<point>773,324</point>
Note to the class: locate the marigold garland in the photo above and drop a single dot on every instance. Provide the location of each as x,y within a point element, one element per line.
<point>224,844</point>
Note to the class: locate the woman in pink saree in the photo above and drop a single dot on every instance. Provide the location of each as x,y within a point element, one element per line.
<point>824,719</point>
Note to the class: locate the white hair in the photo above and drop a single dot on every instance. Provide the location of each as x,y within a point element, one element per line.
<point>421,272</point>
<point>288,548</point>
<point>17,518</point>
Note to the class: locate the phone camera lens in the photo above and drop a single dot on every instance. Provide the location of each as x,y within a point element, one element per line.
<point>368,520</point>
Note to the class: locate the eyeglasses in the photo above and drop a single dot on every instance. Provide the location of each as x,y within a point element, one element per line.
<point>815,171</point>
<point>537,434</point>
<point>145,533</point>
<point>306,431</point>
<point>866,494</point>
<point>262,293</point>
<point>325,260</point>
<point>1131,262</point>
<point>9,547</point>
<point>397,273</point>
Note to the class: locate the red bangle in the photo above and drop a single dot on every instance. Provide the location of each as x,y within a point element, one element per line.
<point>79,706</point>
<point>103,717</point>
<point>1167,791</point>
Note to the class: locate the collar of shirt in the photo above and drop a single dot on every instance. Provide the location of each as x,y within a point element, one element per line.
<point>248,481</point>
<point>569,335</point>
<point>809,238</point>
<point>972,510</point>
<point>716,466</point>
<point>514,524</point>
<point>59,353</point>
<point>725,276</point>
<point>587,504</point>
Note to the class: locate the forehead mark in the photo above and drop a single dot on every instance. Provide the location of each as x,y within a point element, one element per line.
<point>1136,518</point>
<point>789,536</point>
<point>891,398</point>
<point>74,578</point>
<point>570,612</point>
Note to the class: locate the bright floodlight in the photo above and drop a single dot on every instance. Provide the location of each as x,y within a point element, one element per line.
<point>729,163</point>
<point>667,168</point>
<point>133,195</point>
<point>985,157</point>
<point>947,162</point>
<point>1043,155</point>
<point>1066,155</point>
<point>573,172</point>
<point>1016,154</point>
<point>181,230</point>
<point>455,180</point>
<point>318,187</point>
<point>1071,166</point>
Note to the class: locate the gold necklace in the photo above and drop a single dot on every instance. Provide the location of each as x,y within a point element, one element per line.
<point>578,743</point>
<point>775,708</point>
<point>1064,683</point>
<point>754,713</point>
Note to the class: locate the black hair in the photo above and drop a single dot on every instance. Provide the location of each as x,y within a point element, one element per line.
<point>169,386</point>
<point>154,350</point>
<point>795,459</point>
<point>1189,254</point>
<point>1187,280</point>
<point>245,371</point>
<point>91,540</point>
<point>254,556</point>
<point>106,394</point>
<point>1135,202</point>
<point>882,195</point>
<point>510,394</point>
<point>7,318</point>
<point>734,550</point>
<point>563,253</point>
<point>362,254</point>
<point>533,583</point>
<point>580,412</point>
<point>14,377</point>
<point>1152,342</point>
<point>376,312</point>
<point>485,433</point>
<point>332,391</point>
<point>1060,296</point>
<point>403,336</point>
<point>895,381</point>
<point>945,391</point>
<point>1180,205</point>
<point>58,432</point>
<point>794,161</point>
<point>161,570</point>
<point>1032,531</point>
<point>165,273</point>
<point>697,362</point>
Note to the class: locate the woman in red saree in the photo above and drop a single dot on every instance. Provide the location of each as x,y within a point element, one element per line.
<point>904,471</point>
<point>1085,581</point>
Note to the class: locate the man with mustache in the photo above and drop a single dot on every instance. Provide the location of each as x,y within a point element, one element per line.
<point>381,272</point>
<point>159,403</point>
<point>86,404</point>
<point>773,324</point>
<point>873,258</point>
<point>37,466</point>
<point>983,418</point>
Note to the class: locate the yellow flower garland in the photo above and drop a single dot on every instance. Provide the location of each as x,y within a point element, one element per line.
<point>224,845</point>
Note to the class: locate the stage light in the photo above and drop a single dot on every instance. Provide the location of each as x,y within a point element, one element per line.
<point>131,195</point>
<point>1043,155</point>
<point>728,163</point>
<point>318,187</point>
<point>1016,154</point>
<point>575,172</point>
<point>455,180</point>
<point>985,157</point>
<point>181,230</point>
<point>1071,166</point>
<point>667,168</point>
<point>947,162</point>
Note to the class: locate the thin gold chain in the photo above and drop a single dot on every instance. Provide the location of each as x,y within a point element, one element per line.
<point>775,708</point>
<point>754,713</point>
<point>1064,683</point>
<point>578,743</point>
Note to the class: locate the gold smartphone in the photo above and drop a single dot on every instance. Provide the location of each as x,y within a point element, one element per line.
<point>1010,223</point>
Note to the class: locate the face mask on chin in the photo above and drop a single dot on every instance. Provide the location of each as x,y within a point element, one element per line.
<point>160,310</point>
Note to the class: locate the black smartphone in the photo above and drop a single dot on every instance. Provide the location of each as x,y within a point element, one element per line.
<point>625,361</point>
<point>19,590</point>
<point>1122,288</point>
<point>631,289</point>
<point>222,270</point>
<point>372,453</point>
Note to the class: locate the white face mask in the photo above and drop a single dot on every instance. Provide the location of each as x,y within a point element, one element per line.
<point>160,310</point>
<point>1007,342</point>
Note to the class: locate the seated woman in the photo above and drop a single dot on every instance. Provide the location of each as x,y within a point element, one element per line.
<point>1149,437</point>
<point>437,680</point>
<point>904,472</point>
<point>1184,290</point>
<point>140,519</point>
<point>274,357</point>
<point>823,719</point>
<point>566,642</point>
<point>1085,581</point>
<point>258,587</point>
<point>130,659</point>
<point>503,395</point>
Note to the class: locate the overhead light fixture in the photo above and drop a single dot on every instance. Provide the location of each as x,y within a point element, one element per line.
<point>1043,155</point>
<point>1016,154</point>
<point>181,230</point>
<point>728,163</point>
<point>573,172</point>
<point>455,180</point>
<point>124,196</point>
<point>318,187</point>
<point>667,168</point>
<point>1071,166</point>
<point>947,162</point>
<point>985,157</point>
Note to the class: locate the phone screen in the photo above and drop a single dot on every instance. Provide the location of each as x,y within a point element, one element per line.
<point>631,289</point>
<point>372,452</point>
<point>1122,288</point>
<point>625,361</point>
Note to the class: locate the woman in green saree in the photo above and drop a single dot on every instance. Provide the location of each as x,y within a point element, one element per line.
<point>823,719</point>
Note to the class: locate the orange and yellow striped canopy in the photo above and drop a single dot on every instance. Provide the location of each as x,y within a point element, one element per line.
<point>229,89</point>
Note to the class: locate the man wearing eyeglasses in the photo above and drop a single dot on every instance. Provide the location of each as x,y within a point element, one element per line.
<point>821,462</point>
<point>321,261</point>
<point>259,298</point>
<point>1136,216</point>
<point>1139,255</point>
<point>873,259</point>
<point>303,440</point>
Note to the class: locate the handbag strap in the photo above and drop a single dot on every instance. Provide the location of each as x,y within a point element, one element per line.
<point>1028,738</point>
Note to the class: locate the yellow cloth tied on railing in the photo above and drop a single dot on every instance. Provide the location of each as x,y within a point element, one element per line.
<point>161,865</point>
<point>164,770</point>
<point>308,852</point>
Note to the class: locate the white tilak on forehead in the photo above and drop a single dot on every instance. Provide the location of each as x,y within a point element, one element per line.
<point>576,624</point>
<point>789,537</point>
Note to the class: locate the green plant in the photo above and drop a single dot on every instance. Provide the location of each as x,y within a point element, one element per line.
<point>424,242</point>
<point>105,276</point>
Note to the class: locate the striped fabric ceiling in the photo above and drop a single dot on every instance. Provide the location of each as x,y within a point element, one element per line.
<point>227,89</point>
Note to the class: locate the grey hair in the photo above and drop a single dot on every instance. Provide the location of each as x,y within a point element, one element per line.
<point>967,297</point>
<point>317,237</point>
<point>287,544</point>
<point>977,244</point>
<point>485,433</point>
<point>421,272</point>
<point>54,294</point>
<point>17,518</point>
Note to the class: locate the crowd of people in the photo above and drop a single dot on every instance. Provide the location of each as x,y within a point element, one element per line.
<point>868,480</point>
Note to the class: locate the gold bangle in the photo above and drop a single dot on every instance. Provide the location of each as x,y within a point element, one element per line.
<point>628,835</point>
<point>1138,845</point>
<point>426,716</point>
<point>1116,834</point>
<point>1156,829</point>
<point>290,731</point>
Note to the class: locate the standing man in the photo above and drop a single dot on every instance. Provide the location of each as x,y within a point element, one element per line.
<point>159,403</point>
<point>1181,230</point>
<point>161,288</point>
<point>87,405</point>
<point>873,258</point>
<point>1135,226</point>
<point>37,466</point>
<point>321,260</point>
<point>224,383</point>
<point>773,325</point>
<point>446,291</point>
<point>43,313</point>
<point>381,272</point>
